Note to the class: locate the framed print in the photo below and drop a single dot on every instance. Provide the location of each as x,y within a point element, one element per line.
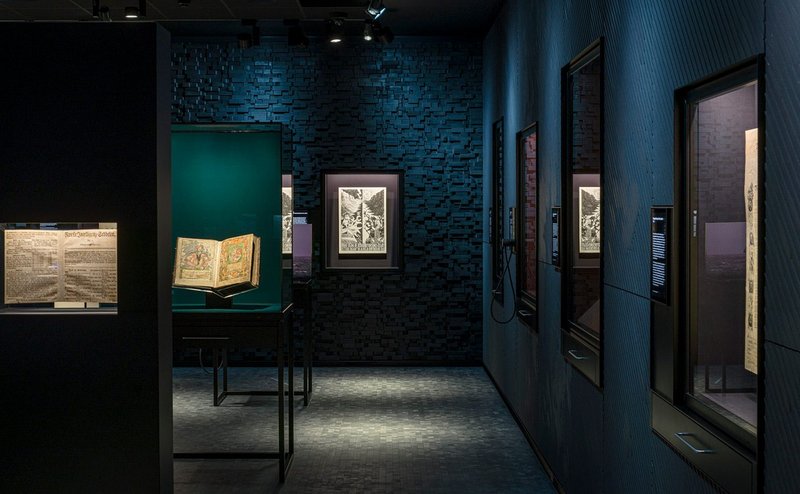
<point>286,220</point>
<point>362,219</point>
<point>589,220</point>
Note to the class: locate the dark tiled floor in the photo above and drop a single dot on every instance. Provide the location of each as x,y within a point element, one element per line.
<point>368,430</point>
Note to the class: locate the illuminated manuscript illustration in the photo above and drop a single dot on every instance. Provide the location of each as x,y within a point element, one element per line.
<point>751,251</point>
<point>226,267</point>
<point>362,220</point>
<point>60,266</point>
<point>286,220</point>
<point>589,220</point>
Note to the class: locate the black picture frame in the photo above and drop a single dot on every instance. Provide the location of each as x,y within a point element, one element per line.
<point>527,261</point>
<point>392,259</point>
<point>582,336</point>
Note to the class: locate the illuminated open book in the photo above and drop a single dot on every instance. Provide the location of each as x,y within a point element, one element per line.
<point>225,267</point>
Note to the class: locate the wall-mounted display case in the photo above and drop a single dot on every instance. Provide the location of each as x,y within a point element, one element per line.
<point>302,246</point>
<point>48,268</point>
<point>363,219</point>
<point>496,212</point>
<point>582,212</point>
<point>527,224</point>
<point>707,374</point>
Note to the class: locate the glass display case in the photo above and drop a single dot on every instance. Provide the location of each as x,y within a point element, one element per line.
<point>527,224</point>
<point>229,181</point>
<point>582,211</point>
<point>496,211</point>
<point>707,334</point>
<point>57,267</point>
<point>302,247</point>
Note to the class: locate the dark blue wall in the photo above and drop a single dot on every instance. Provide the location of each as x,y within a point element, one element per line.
<point>600,439</point>
<point>413,105</point>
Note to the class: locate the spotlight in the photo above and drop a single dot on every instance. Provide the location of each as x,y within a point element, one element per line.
<point>383,34</point>
<point>295,34</point>
<point>336,30</point>
<point>184,3</point>
<point>255,35</point>
<point>375,9</point>
<point>245,41</point>
<point>367,31</point>
<point>136,12</point>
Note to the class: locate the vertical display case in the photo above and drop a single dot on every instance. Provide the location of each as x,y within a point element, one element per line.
<point>527,224</point>
<point>232,216</point>
<point>582,212</point>
<point>230,180</point>
<point>496,212</point>
<point>706,290</point>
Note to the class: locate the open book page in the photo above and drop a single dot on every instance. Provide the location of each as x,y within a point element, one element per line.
<point>90,266</point>
<point>256,261</point>
<point>195,262</point>
<point>31,266</point>
<point>235,260</point>
<point>43,266</point>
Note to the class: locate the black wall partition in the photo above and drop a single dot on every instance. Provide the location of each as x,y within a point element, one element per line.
<point>87,393</point>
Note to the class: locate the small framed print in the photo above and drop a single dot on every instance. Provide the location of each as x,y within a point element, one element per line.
<point>589,220</point>
<point>362,215</point>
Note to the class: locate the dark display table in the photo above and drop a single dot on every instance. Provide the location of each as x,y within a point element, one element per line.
<point>256,325</point>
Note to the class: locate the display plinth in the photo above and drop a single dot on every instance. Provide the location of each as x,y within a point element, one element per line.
<point>257,325</point>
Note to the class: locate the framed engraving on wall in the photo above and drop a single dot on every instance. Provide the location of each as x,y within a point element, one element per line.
<point>362,220</point>
<point>362,216</point>
<point>589,220</point>
<point>287,207</point>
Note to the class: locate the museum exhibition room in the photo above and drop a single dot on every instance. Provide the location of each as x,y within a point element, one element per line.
<point>400,246</point>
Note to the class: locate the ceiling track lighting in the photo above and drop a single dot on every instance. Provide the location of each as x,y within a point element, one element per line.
<point>368,31</point>
<point>253,38</point>
<point>382,33</point>
<point>136,12</point>
<point>375,9</point>
<point>336,28</point>
<point>184,3</point>
<point>294,33</point>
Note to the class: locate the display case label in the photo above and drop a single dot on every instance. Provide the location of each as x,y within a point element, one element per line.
<point>556,219</point>
<point>659,259</point>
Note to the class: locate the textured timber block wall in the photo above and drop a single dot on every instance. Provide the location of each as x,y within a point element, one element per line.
<point>414,105</point>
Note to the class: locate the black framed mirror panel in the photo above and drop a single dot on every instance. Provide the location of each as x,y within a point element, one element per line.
<point>707,346</point>
<point>582,211</point>
<point>527,224</point>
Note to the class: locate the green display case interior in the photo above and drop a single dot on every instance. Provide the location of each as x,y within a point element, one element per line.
<point>226,181</point>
